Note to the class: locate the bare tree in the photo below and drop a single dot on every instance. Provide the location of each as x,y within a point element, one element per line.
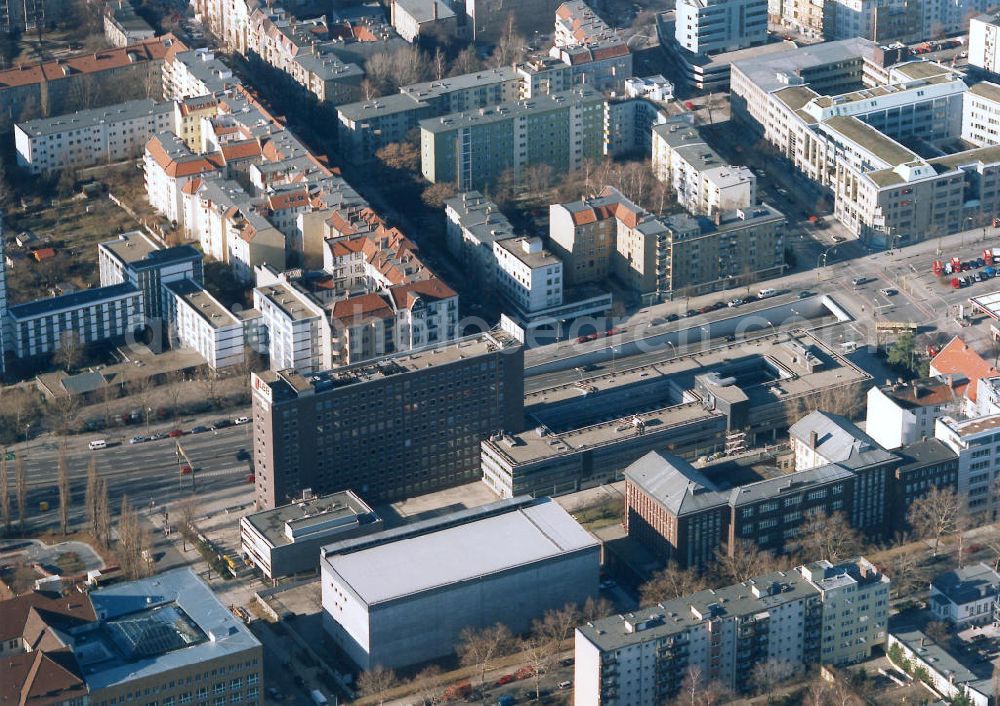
<point>511,45</point>
<point>671,582</point>
<point>465,62</point>
<point>70,351</point>
<point>90,496</point>
<point>377,681</point>
<point>399,155</point>
<point>846,401</point>
<point>103,513</point>
<point>539,652</point>
<point>4,497</point>
<point>185,512</point>
<point>427,685</point>
<point>62,483</point>
<point>172,389</point>
<point>132,541</point>
<point>906,573</point>
<point>829,537</point>
<point>557,625</point>
<point>938,631</point>
<point>479,648</point>
<point>771,673</point>
<point>743,561</point>
<point>435,195</point>
<point>211,385</point>
<point>21,492</point>
<point>63,411</point>
<point>595,609</point>
<point>697,690</point>
<point>824,693</point>
<point>937,514</point>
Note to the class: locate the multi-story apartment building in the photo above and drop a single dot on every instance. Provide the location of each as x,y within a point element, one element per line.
<point>169,166</point>
<point>454,572</point>
<point>984,35</point>
<point>541,76</point>
<point>733,249</point>
<point>86,81</point>
<point>701,179</point>
<point>819,613</point>
<point>303,51</point>
<point>135,258</point>
<point>474,224</point>
<point>167,635</point>
<point>367,126</point>
<point>596,55</point>
<point>900,414</point>
<point>978,461</point>
<point>296,327</point>
<point>821,438</point>
<point>962,367</point>
<point>714,26</point>
<point>43,326</point>
<point>28,15</point>
<point>928,463</point>
<point>122,26</point>
<point>473,148</point>
<point>86,138</point>
<point>981,114</point>
<point>190,74</point>
<point>198,321</point>
<point>398,427</point>
<point>528,277</point>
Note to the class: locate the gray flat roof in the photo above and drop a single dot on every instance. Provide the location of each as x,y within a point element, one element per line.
<point>129,110</point>
<point>867,137</point>
<point>203,303</point>
<point>483,546</point>
<point>271,523</point>
<point>506,111</point>
<point>432,89</point>
<point>133,601</point>
<point>381,106</point>
<point>764,71</point>
<point>138,251</point>
<point>73,300</point>
<point>543,258</point>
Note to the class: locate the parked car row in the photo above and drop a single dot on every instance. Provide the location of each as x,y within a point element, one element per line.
<point>98,444</point>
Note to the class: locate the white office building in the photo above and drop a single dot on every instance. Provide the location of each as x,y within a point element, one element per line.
<point>296,327</point>
<point>43,326</point>
<point>981,114</point>
<point>819,613</point>
<point>198,321</point>
<point>403,596</point>
<point>89,137</point>
<point>528,276</point>
<point>474,224</point>
<point>977,443</point>
<point>714,26</point>
<point>984,37</point>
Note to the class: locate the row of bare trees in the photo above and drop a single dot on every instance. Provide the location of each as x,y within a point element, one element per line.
<point>482,649</point>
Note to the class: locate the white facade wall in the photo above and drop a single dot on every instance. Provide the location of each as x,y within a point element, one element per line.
<point>891,425</point>
<point>532,288</point>
<point>43,333</point>
<point>984,38</point>
<point>219,342</point>
<point>978,462</point>
<point>110,140</point>
<point>981,118</point>
<point>302,344</point>
<point>712,26</point>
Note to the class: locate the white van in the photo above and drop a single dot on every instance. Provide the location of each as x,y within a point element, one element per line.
<point>98,444</point>
<point>765,293</point>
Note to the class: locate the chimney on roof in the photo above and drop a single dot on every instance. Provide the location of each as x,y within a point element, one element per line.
<point>434,11</point>
<point>717,217</point>
<point>813,439</point>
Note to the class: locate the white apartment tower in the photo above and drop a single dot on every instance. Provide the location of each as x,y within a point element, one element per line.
<point>713,26</point>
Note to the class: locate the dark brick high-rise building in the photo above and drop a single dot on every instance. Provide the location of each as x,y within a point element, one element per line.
<point>388,429</point>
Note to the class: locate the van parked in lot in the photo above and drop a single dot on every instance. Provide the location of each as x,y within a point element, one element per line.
<point>98,444</point>
<point>765,293</point>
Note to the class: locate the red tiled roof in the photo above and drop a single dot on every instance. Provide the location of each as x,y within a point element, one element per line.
<point>43,254</point>
<point>406,294</point>
<point>51,608</point>
<point>957,358</point>
<point>356,309</point>
<point>240,150</point>
<point>156,48</point>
